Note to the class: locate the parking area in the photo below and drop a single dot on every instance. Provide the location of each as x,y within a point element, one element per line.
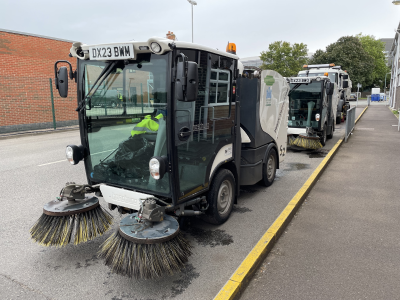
<point>33,171</point>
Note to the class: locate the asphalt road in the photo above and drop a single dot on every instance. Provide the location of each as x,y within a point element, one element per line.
<point>34,169</point>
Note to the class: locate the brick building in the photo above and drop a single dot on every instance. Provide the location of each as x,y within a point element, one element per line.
<point>26,65</point>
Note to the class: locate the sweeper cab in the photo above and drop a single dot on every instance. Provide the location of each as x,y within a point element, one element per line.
<point>312,111</point>
<point>338,76</point>
<point>187,129</point>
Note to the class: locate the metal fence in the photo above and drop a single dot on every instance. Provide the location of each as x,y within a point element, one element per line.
<point>350,122</point>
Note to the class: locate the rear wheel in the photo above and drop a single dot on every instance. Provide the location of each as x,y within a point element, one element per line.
<point>329,136</point>
<point>220,197</point>
<point>338,119</point>
<point>323,137</point>
<point>269,168</point>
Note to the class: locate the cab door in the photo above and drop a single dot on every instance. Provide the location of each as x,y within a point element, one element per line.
<point>203,127</point>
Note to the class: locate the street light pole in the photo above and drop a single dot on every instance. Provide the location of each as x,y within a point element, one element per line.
<point>192,3</point>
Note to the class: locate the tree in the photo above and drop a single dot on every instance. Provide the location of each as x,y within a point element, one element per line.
<point>285,59</point>
<point>375,48</point>
<point>348,52</point>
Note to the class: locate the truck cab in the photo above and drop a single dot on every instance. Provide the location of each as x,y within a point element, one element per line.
<point>336,75</point>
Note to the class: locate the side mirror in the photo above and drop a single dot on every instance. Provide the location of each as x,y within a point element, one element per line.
<point>345,77</point>
<point>62,82</point>
<point>186,81</point>
<point>61,79</point>
<point>345,84</point>
<point>192,84</point>
<point>329,88</point>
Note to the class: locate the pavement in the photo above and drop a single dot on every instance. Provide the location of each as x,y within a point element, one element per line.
<point>343,243</point>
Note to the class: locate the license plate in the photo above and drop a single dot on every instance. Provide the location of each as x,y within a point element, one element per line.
<point>300,80</point>
<point>111,52</point>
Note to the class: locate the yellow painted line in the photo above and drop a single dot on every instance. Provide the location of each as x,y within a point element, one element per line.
<point>239,280</point>
<point>361,114</point>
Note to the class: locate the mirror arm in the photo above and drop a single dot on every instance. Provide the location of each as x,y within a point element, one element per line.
<point>72,75</point>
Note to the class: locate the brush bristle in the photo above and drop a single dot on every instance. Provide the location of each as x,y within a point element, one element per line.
<point>57,231</point>
<point>306,143</point>
<point>291,140</point>
<point>144,261</point>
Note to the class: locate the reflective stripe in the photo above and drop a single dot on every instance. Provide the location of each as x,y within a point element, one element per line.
<point>144,129</point>
<point>148,124</point>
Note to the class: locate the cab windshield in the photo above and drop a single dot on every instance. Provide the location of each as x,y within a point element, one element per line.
<point>301,98</point>
<point>126,121</point>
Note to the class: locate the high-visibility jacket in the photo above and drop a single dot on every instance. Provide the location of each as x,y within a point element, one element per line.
<point>147,125</point>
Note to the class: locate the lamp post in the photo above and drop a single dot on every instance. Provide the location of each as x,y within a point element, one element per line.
<point>194,3</point>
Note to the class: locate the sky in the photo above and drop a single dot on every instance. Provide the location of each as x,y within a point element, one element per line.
<point>251,24</point>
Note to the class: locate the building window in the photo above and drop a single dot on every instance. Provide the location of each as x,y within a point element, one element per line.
<point>219,87</point>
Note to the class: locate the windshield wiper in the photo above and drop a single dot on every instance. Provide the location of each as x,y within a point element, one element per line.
<point>294,88</point>
<point>103,75</point>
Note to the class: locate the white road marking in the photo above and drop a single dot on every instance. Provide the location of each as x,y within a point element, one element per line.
<point>54,162</point>
<point>102,152</point>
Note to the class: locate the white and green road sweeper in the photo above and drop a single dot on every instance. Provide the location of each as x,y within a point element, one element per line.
<point>168,130</point>
<point>312,111</point>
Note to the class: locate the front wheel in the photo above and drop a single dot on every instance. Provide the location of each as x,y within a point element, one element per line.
<point>269,168</point>
<point>220,197</point>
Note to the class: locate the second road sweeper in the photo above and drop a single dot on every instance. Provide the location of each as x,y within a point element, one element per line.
<point>312,111</point>
<point>188,130</point>
<point>338,76</point>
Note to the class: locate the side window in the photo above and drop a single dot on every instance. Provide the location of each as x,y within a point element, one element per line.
<point>219,87</point>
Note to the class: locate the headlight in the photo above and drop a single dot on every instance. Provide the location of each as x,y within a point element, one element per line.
<point>318,79</point>
<point>154,166</point>
<point>317,116</point>
<point>74,154</point>
<point>157,167</point>
<point>155,47</point>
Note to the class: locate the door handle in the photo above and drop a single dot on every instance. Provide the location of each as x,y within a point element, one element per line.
<point>184,134</point>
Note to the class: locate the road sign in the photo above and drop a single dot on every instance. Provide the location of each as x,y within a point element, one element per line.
<point>359,85</point>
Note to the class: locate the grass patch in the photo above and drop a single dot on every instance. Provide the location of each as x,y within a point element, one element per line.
<point>395,112</point>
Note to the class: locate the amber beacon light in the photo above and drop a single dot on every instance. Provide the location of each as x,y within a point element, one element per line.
<point>231,48</point>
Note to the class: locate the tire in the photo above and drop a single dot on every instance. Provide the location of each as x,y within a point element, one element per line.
<point>338,119</point>
<point>329,136</point>
<point>221,197</point>
<point>269,168</point>
<point>323,137</point>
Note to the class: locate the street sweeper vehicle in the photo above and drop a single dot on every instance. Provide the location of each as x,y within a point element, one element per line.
<point>189,132</point>
<point>312,111</point>
<point>338,76</point>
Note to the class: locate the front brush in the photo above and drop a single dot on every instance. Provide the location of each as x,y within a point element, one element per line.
<point>143,251</point>
<point>85,220</point>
